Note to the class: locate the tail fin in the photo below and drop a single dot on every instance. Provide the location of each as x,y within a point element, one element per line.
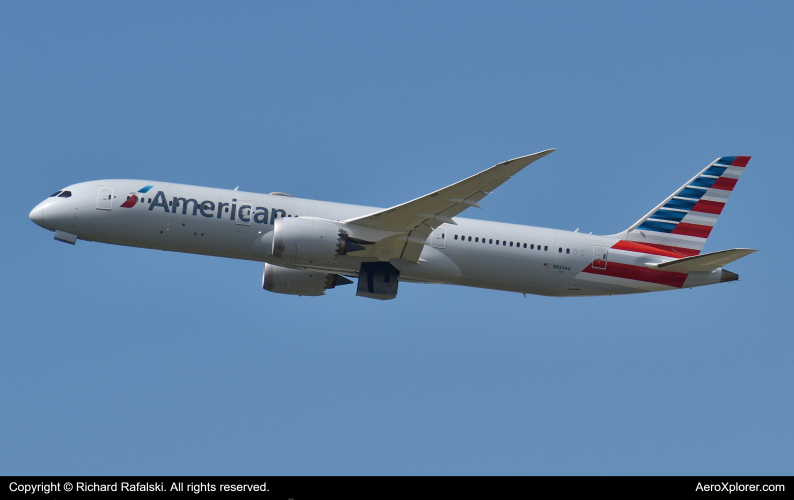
<point>681,224</point>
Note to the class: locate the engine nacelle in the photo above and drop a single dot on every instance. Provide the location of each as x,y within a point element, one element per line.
<point>310,240</point>
<point>299,282</point>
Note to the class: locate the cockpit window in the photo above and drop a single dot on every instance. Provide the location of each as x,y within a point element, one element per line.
<point>65,194</point>
<point>56,193</point>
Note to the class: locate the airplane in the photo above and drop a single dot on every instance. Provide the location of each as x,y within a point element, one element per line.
<point>309,246</point>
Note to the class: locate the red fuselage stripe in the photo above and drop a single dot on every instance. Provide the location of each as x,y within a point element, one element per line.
<point>655,249</point>
<point>637,273</point>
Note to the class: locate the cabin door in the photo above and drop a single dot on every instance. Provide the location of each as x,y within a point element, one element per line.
<point>439,239</point>
<point>600,257</point>
<point>104,199</point>
<point>244,213</point>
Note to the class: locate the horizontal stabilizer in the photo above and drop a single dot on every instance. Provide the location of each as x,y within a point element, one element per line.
<point>705,262</point>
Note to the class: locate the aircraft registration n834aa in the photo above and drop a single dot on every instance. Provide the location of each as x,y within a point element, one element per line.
<point>309,246</point>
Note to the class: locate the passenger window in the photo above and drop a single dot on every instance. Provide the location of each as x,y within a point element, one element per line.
<point>511,243</point>
<point>504,243</point>
<point>567,250</point>
<point>150,200</point>
<point>469,238</point>
<point>497,242</point>
<point>560,250</point>
<point>456,236</point>
<point>476,240</point>
<point>545,249</point>
<point>490,242</point>
<point>525,245</point>
<point>532,246</point>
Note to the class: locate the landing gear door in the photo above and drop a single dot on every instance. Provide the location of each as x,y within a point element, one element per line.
<point>600,257</point>
<point>104,199</point>
<point>439,239</point>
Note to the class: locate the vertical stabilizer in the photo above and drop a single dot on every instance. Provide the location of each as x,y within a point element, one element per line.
<point>681,224</point>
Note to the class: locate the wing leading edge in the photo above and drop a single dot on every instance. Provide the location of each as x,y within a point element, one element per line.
<point>416,219</point>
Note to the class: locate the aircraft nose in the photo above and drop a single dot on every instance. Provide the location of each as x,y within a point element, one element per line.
<point>37,215</point>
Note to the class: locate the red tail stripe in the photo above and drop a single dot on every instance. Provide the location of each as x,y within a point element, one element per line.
<point>740,161</point>
<point>655,249</point>
<point>724,183</point>
<point>637,273</point>
<point>708,207</point>
<point>692,230</point>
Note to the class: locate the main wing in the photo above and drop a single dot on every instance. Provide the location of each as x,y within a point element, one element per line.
<point>418,218</point>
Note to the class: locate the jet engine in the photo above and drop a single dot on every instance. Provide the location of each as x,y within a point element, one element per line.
<point>299,282</point>
<point>310,240</point>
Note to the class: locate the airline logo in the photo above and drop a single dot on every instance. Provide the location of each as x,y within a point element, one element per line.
<point>243,212</point>
<point>132,198</point>
<point>694,209</point>
<point>677,228</point>
<point>682,225</point>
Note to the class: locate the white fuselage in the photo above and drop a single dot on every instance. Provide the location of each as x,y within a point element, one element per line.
<point>472,253</point>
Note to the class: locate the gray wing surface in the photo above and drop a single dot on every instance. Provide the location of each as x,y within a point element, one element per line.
<point>418,218</point>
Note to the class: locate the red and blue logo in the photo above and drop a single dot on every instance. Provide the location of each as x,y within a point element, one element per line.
<point>132,198</point>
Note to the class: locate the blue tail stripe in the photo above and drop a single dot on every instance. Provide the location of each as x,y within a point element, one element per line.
<point>726,160</point>
<point>145,189</point>
<point>705,182</point>
<point>715,170</point>
<point>692,193</point>
<point>652,225</point>
<point>668,215</point>
<point>680,204</point>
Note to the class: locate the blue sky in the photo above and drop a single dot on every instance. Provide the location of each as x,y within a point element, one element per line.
<point>117,360</point>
